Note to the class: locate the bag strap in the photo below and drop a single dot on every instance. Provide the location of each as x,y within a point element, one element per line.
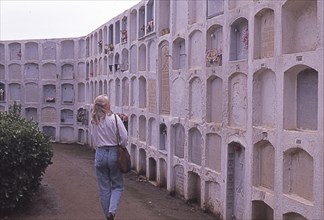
<point>117,131</point>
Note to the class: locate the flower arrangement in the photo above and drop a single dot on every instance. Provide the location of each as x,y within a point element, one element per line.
<point>124,35</point>
<point>124,119</point>
<point>100,43</point>
<point>245,38</point>
<point>50,99</point>
<point>214,56</point>
<point>150,26</point>
<point>109,47</point>
<point>81,117</point>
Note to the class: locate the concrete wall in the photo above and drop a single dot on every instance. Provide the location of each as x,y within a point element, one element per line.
<point>224,98</point>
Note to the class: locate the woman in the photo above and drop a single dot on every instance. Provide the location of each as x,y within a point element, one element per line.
<point>103,131</point>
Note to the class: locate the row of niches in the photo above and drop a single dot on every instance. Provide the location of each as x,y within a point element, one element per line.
<point>49,50</point>
<point>46,94</point>
<point>193,56</point>
<point>50,115</point>
<point>300,97</point>
<point>65,133</point>
<point>47,71</point>
<point>296,163</point>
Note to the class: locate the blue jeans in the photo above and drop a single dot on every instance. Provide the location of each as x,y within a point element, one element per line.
<point>109,178</point>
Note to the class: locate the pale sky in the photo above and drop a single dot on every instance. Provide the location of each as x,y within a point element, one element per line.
<point>46,19</point>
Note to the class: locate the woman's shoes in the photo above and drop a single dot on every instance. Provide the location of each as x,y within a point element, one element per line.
<point>110,216</point>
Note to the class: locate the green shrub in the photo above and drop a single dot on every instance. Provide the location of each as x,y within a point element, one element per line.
<point>25,153</point>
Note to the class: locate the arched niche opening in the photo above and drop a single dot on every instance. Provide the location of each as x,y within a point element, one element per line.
<point>133,25</point>
<point>81,92</point>
<point>236,4</point>
<point>49,50</point>
<point>111,63</point>
<point>81,136</point>
<point>67,116</point>
<point>100,88</point>
<point>133,126</point>
<point>96,44</point>
<point>152,170</point>
<point>179,96</point>
<point>117,32</point>
<point>100,66</point>
<point>179,179</point>
<point>133,155</point>
<point>239,39</point>
<point>124,34</point>
<point>67,71</point>
<point>298,165</point>
<point>67,134</point>
<point>164,17</point>
<point>125,63</point>
<point>150,26</point>
<point>178,140</point>
<point>87,47</point>
<point>31,51</point>
<point>264,34</point>
<point>142,58</point>
<point>300,102</point>
<point>195,51</point>
<point>14,92</point>
<point>264,105</point>
<point>117,92</point>
<point>81,48</point>
<point>142,128</point>
<point>3,92</point>
<point>261,210</point>
<point>49,115</point>
<point>67,49</point>
<point>141,22</point>
<point>152,133</point>
<point>49,71</point>
<point>2,72</point>
<point>214,105</point>
<point>235,181</point>
<point>95,68</point>
<point>133,93</point>
<point>111,34</point>
<point>195,98</point>
<point>214,8</point>
<point>179,54</point>
<point>299,26</point>
<point>105,66</point>
<point>81,74</point>
<point>237,100</point>
<point>213,198</point>
<point>195,146</point>
<point>179,18</point>
<point>293,216</point>
<point>82,116</point>
<point>164,76</point>
<point>2,52</point>
<point>142,92</point>
<point>14,72</point>
<point>163,173</point>
<point>264,165</point>
<point>214,152</point>
<point>125,91</point>
<point>142,162</point>
<point>50,131</point>
<point>100,42</point>
<point>194,188</point>
<point>31,71</point>
<point>214,52</point>
<point>194,15</point>
<point>31,114</point>
<point>67,93</point>
<point>163,136</point>
<point>133,61</point>
<point>32,92</point>
<point>152,56</point>
<point>117,64</point>
<point>15,51</point>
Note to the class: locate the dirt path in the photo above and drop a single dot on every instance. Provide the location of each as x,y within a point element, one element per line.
<point>69,192</point>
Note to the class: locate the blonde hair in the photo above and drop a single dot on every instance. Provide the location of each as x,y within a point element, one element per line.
<point>100,109</point>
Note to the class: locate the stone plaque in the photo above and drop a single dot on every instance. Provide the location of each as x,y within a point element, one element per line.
<point>152,95</point>
<point>179,179</point>
<point>48,115</point>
